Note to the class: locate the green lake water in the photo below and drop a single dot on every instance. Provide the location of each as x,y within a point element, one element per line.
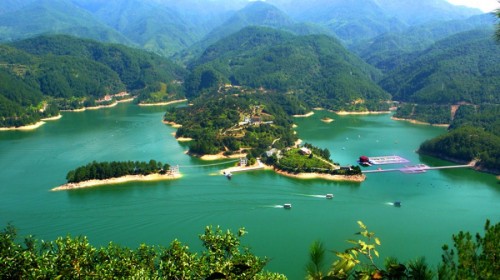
<point>435,204</point>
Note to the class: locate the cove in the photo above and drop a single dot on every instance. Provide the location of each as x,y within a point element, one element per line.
<point>435,204</point>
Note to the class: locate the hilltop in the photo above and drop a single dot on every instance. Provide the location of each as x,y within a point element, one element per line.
<point>315,68</point>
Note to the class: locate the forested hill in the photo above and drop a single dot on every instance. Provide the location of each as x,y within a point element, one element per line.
<point>136,68</point>
<point>44,74</point>
<point>395,49</point>
<point>460,68</point>
<point>315,67</point>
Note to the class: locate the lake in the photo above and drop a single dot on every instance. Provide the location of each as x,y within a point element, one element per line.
<point>435,204</point>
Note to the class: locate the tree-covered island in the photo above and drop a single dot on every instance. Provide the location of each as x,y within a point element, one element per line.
<point>104,173</point>
<point>254,124</point>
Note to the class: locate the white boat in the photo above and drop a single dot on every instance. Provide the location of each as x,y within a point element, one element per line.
<point>329,196</point>
<point>287,206</point>
<point>228,175</point>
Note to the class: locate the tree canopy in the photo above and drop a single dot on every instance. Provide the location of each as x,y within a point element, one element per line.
<point>69,257</point>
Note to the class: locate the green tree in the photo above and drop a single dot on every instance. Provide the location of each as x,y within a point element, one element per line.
<point>474,258</point>
<point>317,261</point>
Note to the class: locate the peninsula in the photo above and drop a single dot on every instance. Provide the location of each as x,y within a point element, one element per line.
<point>310,162</point>
<point>334,173</point>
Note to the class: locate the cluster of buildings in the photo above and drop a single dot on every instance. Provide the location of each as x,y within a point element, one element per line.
<point>110,97</point>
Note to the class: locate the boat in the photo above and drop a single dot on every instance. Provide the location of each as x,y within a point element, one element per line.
<point>364,161</point>
<point>329,196</point>
<point>228,175</point>
<point>397,203</point>
<point>287,206</point>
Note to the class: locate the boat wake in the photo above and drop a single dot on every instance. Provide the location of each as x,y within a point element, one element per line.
<point>396,203</point>
<point>317,195</point>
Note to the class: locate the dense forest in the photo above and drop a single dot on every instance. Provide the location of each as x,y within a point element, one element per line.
<point>44,74</point>
<point>137,70</point>
<point>114,169</point>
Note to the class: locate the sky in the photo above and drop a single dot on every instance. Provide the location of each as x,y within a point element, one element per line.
<point>484,5</point>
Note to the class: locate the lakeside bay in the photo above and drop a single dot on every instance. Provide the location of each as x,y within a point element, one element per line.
<point>435,204</point>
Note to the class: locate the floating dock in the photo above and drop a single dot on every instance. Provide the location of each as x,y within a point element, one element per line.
<point>415,169</point>
<point>387,160</point>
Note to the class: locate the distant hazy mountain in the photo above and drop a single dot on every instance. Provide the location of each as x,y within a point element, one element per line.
<point>353,21</point>
<point>254,14</point>
<point>152,26</point>
<point>164,27</point>
<point>53,16</point>
<point>415,12</point>
<point>459,68</point>
<point>167,27</point>
<point>317,67</point>
<point>8,6</point>
<point>263,14</point>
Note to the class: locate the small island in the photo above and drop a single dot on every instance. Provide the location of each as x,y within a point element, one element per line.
<point>108,173</point>
<point>250,126</point>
